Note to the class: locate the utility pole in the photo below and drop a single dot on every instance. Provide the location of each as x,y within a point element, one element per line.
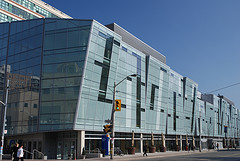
<point>4,120</point>
<point>113,114</point>
<point>113,119</point>
<point>200,132</point>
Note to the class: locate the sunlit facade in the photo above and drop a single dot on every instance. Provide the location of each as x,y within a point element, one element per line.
<point>62,72</point>
<point>13,10</point>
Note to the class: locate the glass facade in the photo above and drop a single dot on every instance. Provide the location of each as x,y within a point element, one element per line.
<point>15,9</point>
<point>45,61</point>
<point>36,8</point>
<point>64,52</point>
<point>5,18</point>
<point>62,73</point>
<point>24,65</point>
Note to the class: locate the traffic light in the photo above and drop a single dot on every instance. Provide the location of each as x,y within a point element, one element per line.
<point>117,105</point>
<point>107,128</point>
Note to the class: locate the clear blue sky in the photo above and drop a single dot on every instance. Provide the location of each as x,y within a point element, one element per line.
<point>200,38</point>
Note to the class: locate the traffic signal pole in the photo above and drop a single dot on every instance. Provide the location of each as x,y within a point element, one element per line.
<point>113,118</point>
<point>4,120</point>
<point>113,115</point>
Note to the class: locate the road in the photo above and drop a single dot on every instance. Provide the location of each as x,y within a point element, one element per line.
<point>223,155</point>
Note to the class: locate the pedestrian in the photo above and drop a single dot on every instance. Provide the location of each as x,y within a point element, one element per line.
<point>189,147</point>
<point>14,151</point>
<point>145,150</point>
<point>217,146</point>
<point>20,153</point>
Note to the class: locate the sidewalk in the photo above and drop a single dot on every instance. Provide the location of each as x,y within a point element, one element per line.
<point>139,156</point>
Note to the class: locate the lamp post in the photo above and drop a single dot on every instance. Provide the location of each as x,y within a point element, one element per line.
<point>113,114</point>
<point>4,120</point>
<point>200,131</point>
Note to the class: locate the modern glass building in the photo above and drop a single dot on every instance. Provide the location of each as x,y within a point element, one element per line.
<point>13,10</point>
<point>62,73</point>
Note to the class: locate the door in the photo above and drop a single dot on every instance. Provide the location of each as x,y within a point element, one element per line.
<point>59,150</point>
<point>66,150</point>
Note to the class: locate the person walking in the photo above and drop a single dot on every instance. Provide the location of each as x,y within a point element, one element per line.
<point>217,146</point>
<point>189,147</point>
<point>14,151</point>
<point>145,150</point>
<point>20,153</point>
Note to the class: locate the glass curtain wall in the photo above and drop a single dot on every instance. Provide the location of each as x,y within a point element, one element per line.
<point>65,45</point>
<point>3,51</point>
<point>28,4</point>
<point>100,73</point>
<point>23,71</point>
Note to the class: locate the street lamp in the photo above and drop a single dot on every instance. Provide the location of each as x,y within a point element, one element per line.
<point>200,131</point>
<point>113,113</point>
<point>4,120</point>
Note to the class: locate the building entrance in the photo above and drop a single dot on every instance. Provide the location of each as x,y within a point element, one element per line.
<point>66,149</point>
<point>29,146</point>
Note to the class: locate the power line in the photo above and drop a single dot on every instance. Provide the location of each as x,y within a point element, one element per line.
<point>224,87</point>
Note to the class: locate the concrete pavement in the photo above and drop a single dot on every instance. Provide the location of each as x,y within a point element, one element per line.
<point>139,156</point>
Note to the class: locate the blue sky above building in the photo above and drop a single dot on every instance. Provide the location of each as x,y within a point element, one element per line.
<point>200,39</point>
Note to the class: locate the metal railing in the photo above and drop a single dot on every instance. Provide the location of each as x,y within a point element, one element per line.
<point>38,152</point>
<point>33,153</point>
<point>96,150</point>
<point>29,153</point>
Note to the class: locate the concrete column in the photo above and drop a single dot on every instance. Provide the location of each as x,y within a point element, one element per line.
<point>80,143</point>
<point>181,142</point>
<point>141,143</point>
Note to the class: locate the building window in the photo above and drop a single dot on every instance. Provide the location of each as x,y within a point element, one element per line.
<point>35,105</point>
<point>174,111</point>
<point>116,42</point>
<point>105,69</point>
<point>138,91</point>
<point>162,69</point>
<point>25,104</point>
<point>124,49</point>
<point>46,91</point>
<point>153,96</point>
<point>61,90</point>
<point>102,34</point>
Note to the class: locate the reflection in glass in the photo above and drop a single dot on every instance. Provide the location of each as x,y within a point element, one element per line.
<point>63,59</point>
<point>51,88</point>
<point>23,71</point>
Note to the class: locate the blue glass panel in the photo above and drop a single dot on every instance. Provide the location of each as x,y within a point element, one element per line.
<point>63,59</point>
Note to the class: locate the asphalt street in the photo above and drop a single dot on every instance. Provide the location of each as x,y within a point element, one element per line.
<point>223,155</point>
